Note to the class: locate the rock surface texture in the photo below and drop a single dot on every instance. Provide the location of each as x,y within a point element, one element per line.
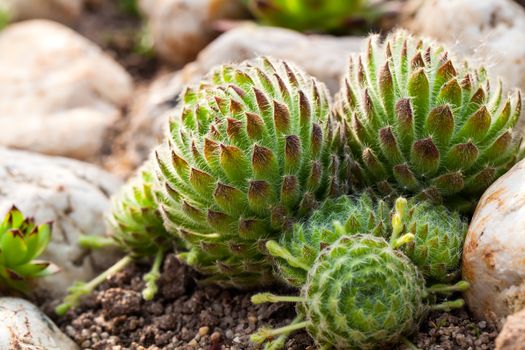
<point>494,251</point>
<point>487,32</point>
<point>25,327</point>
<point>512,336</point>
<point>181,28</point>
<point>325,57</point>
<point>72,194</point>
<point>59,93</point>
<point>65,11</point>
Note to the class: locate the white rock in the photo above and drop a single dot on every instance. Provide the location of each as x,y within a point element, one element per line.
<point>494,251</point>
<point>512,336</point>
<point>59,93</point>
<point>72,194</point>
<point>25,327</point>
<point>65,11</point>
<point>325,57</point>
<point>181,28</point>
<point>487,31</point>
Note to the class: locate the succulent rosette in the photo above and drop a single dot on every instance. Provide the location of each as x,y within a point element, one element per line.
<point>439,235</point>
<point>308,15</point>
<point>21,243</point>
<point>420,122</point>
<point>135,221</point>
<point>251,151</point>
<point>362,293</point>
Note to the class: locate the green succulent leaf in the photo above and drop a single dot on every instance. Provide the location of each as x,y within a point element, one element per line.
<point>14,247</point>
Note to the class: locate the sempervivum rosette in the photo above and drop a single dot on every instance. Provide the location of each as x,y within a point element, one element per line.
<point>252,150</point>
<point>420,122</point>
<point>312,15</point>
<point>21,243</point>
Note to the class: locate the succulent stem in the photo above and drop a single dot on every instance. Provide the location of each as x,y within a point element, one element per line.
<point>461,286</point>
<point>277,344</point>
<point>267,333</point>
<point>95,242</point>
<point>151,277</point>
<point>80,289</point>
<point>448,305</point>
<point>281,339</point>
<point>277,250</point>
<point>262,298</point>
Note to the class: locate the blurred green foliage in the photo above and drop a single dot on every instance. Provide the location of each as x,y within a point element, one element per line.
<point>130,7</point>
<point>4,18</point>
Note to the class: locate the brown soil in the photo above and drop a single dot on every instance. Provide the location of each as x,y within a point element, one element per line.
<point>455,331</point>
<point>182,315</point>
<point>187,316</point>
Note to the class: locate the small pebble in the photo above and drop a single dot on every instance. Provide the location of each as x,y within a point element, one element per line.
<point>204,330</point>
<point>215,337</point>
<point>252,319</point>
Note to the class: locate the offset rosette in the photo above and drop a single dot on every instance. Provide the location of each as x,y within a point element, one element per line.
<point>135,221</point>
<point>439,235</point>
<point>21,243</point>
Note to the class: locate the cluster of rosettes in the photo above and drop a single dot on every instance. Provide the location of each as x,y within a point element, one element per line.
<point>252,151</point>
<point>359,290</point>
<point>420,123</point>
<point>252,178</point>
